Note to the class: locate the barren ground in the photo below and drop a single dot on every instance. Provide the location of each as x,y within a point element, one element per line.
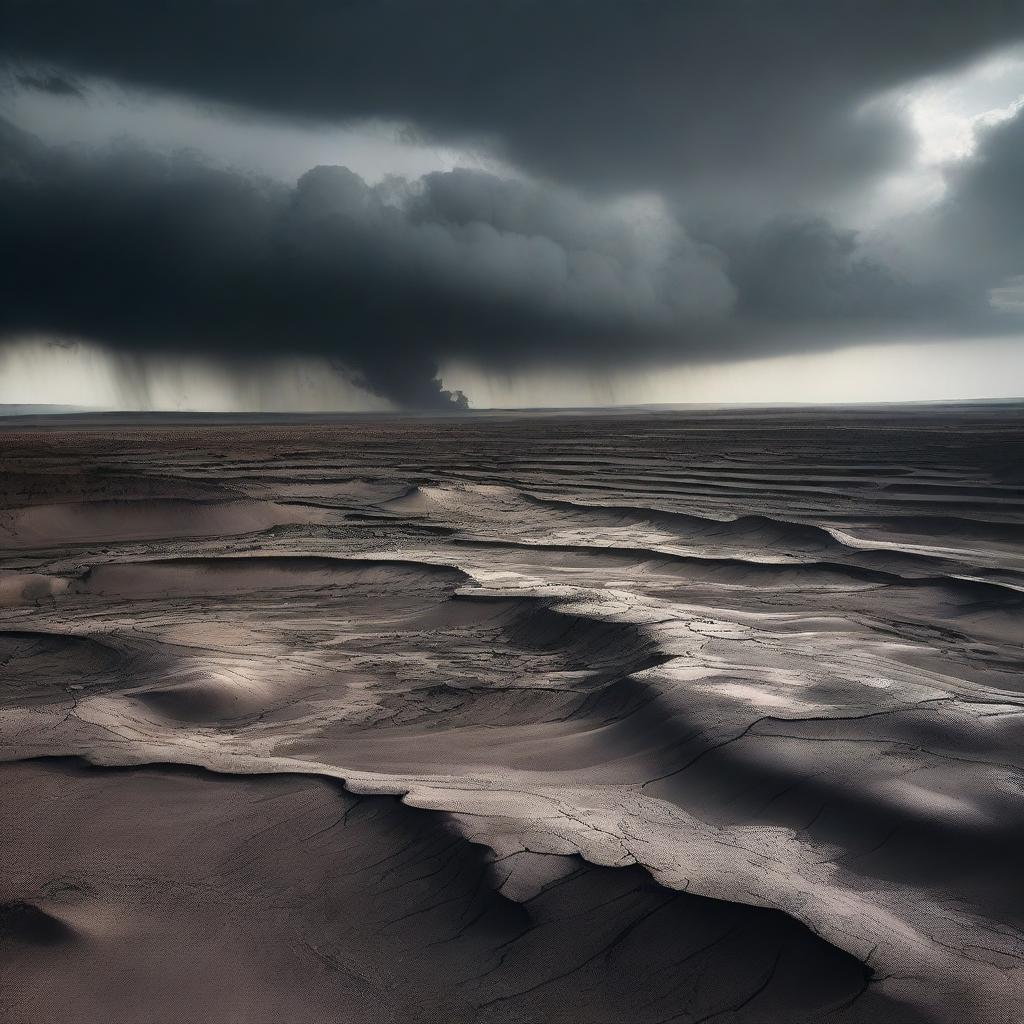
<point>667,717</point>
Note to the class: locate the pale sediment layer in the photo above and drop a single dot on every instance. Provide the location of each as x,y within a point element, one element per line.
<point>706,717</point>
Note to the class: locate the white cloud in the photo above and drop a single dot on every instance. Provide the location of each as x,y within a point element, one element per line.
<point>946,113</point>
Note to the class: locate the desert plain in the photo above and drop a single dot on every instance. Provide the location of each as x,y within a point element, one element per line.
<point>651,717</point>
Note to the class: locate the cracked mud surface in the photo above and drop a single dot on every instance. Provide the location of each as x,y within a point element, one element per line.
<point>659,718</point>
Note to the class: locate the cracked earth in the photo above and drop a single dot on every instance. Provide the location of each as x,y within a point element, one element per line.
<point>676,717</point>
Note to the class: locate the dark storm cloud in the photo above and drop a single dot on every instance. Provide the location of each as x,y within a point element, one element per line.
<point>156,253</point>
<point>794,270</point>
<point>735,113</point>
<point>759,96</point>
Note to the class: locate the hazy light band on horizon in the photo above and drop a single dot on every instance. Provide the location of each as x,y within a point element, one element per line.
<point>40,371</point>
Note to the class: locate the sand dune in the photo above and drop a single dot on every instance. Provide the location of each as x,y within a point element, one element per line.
<point>597,721</point>
<point>372,901</point>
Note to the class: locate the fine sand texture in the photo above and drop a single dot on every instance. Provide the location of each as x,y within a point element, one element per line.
<point>625,719</point>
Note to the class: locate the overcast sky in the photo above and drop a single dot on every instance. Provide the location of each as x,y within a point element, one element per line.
<point>356,204</point>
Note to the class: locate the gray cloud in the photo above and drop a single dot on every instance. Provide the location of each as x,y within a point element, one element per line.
<point>972,241</point>
<point>53,83</point>
<point>984,211</point>
<point>155,253</point>
<point>737,96</point>
<point>795,270</point>
<point>670,159</point>
<point>163,253</point>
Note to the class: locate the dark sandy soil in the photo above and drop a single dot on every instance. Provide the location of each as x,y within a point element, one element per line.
<point>653,718</point>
